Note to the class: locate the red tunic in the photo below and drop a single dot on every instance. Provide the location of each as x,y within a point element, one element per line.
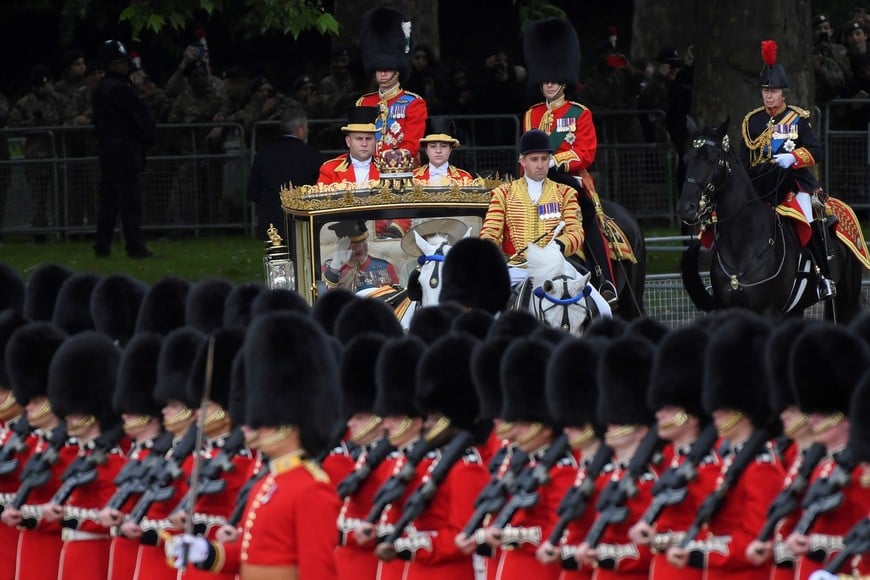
<point>402,120</point>
<point>572,134</point>
<point>8,486</point>
<point>339,170</point>
<point>338,464</point>
<point>453,174</point>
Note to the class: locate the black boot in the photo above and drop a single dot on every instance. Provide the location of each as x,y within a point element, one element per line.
<point>819,253</point>
<point>600,256</point>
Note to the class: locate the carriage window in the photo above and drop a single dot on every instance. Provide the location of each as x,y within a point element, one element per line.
<point>383,252</point>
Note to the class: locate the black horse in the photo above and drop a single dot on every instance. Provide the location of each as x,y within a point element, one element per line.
<point>757,259</point>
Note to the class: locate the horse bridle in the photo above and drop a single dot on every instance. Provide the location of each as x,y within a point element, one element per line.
<point>565,301</point>
<point>437,257</point>
<point>706,202</point>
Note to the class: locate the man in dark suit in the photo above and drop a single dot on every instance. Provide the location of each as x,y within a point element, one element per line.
<point>288,160</point>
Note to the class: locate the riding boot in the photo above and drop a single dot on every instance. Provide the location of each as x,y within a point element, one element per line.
<point>819,253</point>
<point>597,245</point>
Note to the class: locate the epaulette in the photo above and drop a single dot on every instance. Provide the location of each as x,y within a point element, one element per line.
<point>316,471</point>
<point>582,106</point>
<point>750,113</point>
<point>802,113</point>
<point>472,457</point>
<point>413,95</point>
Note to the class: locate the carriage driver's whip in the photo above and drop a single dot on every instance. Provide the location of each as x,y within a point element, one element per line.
<point>557,229</point>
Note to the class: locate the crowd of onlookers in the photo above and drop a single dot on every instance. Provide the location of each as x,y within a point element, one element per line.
<point>841,63</point>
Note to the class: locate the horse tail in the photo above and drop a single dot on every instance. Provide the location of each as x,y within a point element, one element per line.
<point>692,281</point>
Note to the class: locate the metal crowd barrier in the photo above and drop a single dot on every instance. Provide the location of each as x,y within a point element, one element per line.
<point>846,133</point>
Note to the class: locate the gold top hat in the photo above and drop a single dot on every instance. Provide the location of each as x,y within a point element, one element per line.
<point>361,120</point>
<point>452,229</point>
<point>355,230</point>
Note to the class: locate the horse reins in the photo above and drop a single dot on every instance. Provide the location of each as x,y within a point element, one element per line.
<point>438,257</point>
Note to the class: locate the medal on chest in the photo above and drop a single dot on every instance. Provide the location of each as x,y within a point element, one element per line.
<point>549,210</point>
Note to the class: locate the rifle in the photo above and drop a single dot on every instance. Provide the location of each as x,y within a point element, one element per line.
<point>787,500</point>
<point>530,479</point>
<point>83,469</point>
<point>576,499</point>
<point>159,479</point>
<point>493,497</point>
<point>394,487</point>
<point>37,471</point>
<point>856,542</point>
<point>350,484</point>
<point>210,481</point>
<point>133,476</point>
<point>611,506</point>
<point>826,494</point>
<point>242,498</point>
<point>710,506</point>
<point>16,444</point>
<point>419,500</point>
<point>672,487</point>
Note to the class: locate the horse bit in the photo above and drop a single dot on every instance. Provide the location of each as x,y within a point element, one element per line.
<point>706,207</point>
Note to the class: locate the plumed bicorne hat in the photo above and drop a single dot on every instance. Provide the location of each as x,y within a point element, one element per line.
<point>11,289</point>
<point>396,377</point>
<point>329,305</point>
<point>10,321</point>
<point>678,371</point>
<point>137,376</point>
<point>523,372</point>
<point>28,356</point>
<point>82,377</point>
<point>623,379</point>
<point>175,365</point>
<point>444,384</point>
<point>237,306</point>
<point>227,342</point>
<point>162,308</point>
<point>115,304</point>
<point>72,310</point>
<point>385,41</point>
<point>292,378</point>
<point>552,51</point>
<point>204,309</point>
<point>772,74</point>
<point>777,363</point>
<point>572,385</point>
<point>370,315</point>
<point>358,377</point>
<point>475,322</point>
<point>432,322</point>
<point>237,407</point>
<point>859,420</point>
<point>41,291</point>
<point>278,299</point>
<point>826,363</point>
<point>476,276</point>
<point>485,365</point>
<point>734,370</point>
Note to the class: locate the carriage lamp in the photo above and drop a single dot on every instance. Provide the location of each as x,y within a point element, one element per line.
<point>277,265</point>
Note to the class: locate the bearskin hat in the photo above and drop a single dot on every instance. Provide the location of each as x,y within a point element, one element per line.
<point>485,365</point>
<point>385,41</point>
<point>72,312</point>
<point>10,321</point>
<point>175,365</point>
<point>292,374</point>
<point>396,377</point>
<point>475,322</point>
<point>361,316</point>
<point>444,382</point>
<point>623,379</point>
<point>11,289</point>
<point>523,374</point>
<point>826,363</point>
<point>41,291</point>
<point>476,276</point>
<point>606,328</point>
<point>513,324</point>
<point>552,51</point>
<point>238,303</point>
<point>432,322</point>
<point>275,299</point>
<point>860,325</point>
<point>678,371</point>
<point>550,334</point>
<point>227,342</point>
<point>28,356</point>
<point>734,372</point>
<point>82,377</point>
<point>115,304</point>
<point>358,377</point>
<point>572,385</point>
<point>237,407</point>
<point>137,377</point>
<point>649,328</point>
<point>859,421</point>
<point>777,364</point>
<point>329,306</point>
<point>204,309</point>
<point>162,308</point>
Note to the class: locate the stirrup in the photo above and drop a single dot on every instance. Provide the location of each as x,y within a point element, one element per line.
<point>608,292</point>
<point>826,288</point>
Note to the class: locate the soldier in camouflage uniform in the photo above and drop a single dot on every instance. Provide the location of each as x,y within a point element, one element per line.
<point>830,62</point>
<point>83,182</point>
<point>73,63</point>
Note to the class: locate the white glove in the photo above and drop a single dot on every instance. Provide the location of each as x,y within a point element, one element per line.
<point>785,160</point>
<point>822,575</point>
<point>341,255</point>
<point>197,550</point>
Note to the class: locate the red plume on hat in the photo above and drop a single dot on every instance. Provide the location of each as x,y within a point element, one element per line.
<point>772,75</point>
<point>768,52</point>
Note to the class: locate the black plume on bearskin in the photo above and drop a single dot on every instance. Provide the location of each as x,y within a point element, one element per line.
<point>329,305</point>
<point>204,309</point>
<point>82,377</point>
<point>41,291</point>
<point>523,373</point>
<point>777,363</point>
<point>11,289</point>
<point>10,321</point>
<point>678,371</point>
<point>28,356</point>
<point>175,365</point>
<point>238,303</point>
<point>475,275</point>
<point>162,308</point>
<point>137,377</point>
<point>291,378</point>
<point>623,379</point>
<point>358,377</point>
<point>72,312</point>
<point>826,363</point>
<point>552,51</point>
<point>734,372</point>
<point>432,322</point>
<point>227,342</point>
<point>444,382</point>
<point>572,385</point>
<point>859,421</point>
<point>115,304</point>
<point>382,41</point>
<point>396,377</point>
<point>370,315</point>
